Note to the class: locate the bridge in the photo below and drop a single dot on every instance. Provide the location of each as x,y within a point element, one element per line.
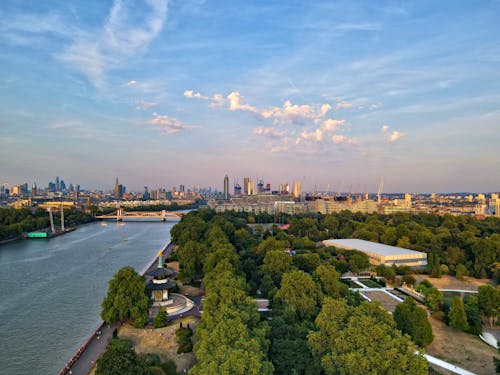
<point>121,214</point>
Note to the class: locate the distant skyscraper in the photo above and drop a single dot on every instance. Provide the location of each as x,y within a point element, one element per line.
<point>247,185</point>
<point>237,190</point>
<point>260,187</point>
<point>226,187</point>
<point>33,189</point>
<point>296,189</point>
<point>407,200</point>
<point>58,184</point>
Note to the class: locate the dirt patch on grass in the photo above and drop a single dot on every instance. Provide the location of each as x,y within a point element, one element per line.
<point>461,349</point>
<point>451,282</point>
<point>161,341</point>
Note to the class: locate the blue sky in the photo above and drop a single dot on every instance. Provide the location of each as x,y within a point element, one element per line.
<point>161,93</point>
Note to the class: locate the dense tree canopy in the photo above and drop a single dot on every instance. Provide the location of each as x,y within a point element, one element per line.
<point>362,340</point>
<point>412,320</point>
<point>127,297</point>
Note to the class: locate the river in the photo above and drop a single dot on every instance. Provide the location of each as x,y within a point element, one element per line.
<point>51,290</point>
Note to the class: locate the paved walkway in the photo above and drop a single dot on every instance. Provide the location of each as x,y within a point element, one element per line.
<point>84,360</point>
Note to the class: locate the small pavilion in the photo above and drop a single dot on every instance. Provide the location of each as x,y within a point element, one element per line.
<point>161,283</point>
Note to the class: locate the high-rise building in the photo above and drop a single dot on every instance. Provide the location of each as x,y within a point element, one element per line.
<point>119,190</point>
<point>237,190</point>
<point>247,185</point>
<point>407,200</point>
<point>260,187</point>
<point>296,189</point>
<point>226,187</point>
<point>63,185</point>
<point>33,189</point>
<point>58,184</point>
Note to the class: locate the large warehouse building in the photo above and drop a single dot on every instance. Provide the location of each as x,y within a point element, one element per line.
<point>382,254</point>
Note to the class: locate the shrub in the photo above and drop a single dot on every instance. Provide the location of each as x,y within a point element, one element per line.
<point>184,340</point>
<point>169,367</point>
<point>161,318</point>
<point>140,322</point>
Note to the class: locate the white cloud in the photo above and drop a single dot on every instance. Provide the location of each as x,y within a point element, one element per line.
<point>295,113</point>
<point>236,103</point>
<point>391,137</point>
<point>332,125</point>
<point>168,125</point>
<point>95,53</point>
<point>215,101</point>
<point>142,105</point>
<point>269,132</point>
<point>394,136</point>
<point>342,139</point>
<point>131,83</point>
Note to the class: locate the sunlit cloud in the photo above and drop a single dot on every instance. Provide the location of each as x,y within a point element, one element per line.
<point>131,83</point>
<point>391,136</point>
<point>269,132</point>
<point>169,125</point>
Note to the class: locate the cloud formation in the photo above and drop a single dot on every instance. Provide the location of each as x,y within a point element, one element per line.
<point>288,113</point>
<point>95,53</point>
<point>131,83</point>
<point>391,136</point>
<point>169,125</point>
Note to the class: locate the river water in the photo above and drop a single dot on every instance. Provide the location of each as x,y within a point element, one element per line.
<point>51,290</point>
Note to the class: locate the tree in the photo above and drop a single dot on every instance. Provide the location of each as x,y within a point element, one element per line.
<point>191,256</point>
<point>433,298</point>
<point>457,317</point>
<point>412,320</point>
<point>473,313</point>
<point>489,302</point>
<point>127,297</point>
<point>118,359</point>
<point>276,263</point>
<point>330,283</point>
<point>362,340</point>
<point>299,291</point>
<point>460,271</point>
<point>161,318</point>
<point>307,262</point>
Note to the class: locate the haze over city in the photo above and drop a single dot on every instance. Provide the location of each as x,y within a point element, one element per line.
<point>162,93</point>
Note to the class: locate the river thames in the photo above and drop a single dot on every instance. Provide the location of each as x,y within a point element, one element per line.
<point>51,290</point>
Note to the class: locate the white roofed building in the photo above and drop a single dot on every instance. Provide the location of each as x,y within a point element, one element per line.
<point>382,254</point>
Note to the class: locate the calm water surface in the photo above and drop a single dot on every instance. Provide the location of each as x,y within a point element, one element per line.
<point>51,290</point>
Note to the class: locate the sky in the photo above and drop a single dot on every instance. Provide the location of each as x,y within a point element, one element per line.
<point>162,93</point>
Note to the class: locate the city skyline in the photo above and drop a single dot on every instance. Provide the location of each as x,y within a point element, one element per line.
<point>190,91</point>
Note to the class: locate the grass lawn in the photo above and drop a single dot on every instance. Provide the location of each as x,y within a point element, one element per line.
<point>461,349</point>
<point>161,341</point>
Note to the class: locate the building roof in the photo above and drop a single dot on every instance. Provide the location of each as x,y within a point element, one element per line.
<point>161,272</point>
<point>373,247</point>
<point>168,285</point>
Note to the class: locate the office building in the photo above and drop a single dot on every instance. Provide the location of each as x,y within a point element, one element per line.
<point>226,188</point>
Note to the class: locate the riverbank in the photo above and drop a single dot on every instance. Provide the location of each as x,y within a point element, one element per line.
<point>85,358</point>
<point>52,290</point>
